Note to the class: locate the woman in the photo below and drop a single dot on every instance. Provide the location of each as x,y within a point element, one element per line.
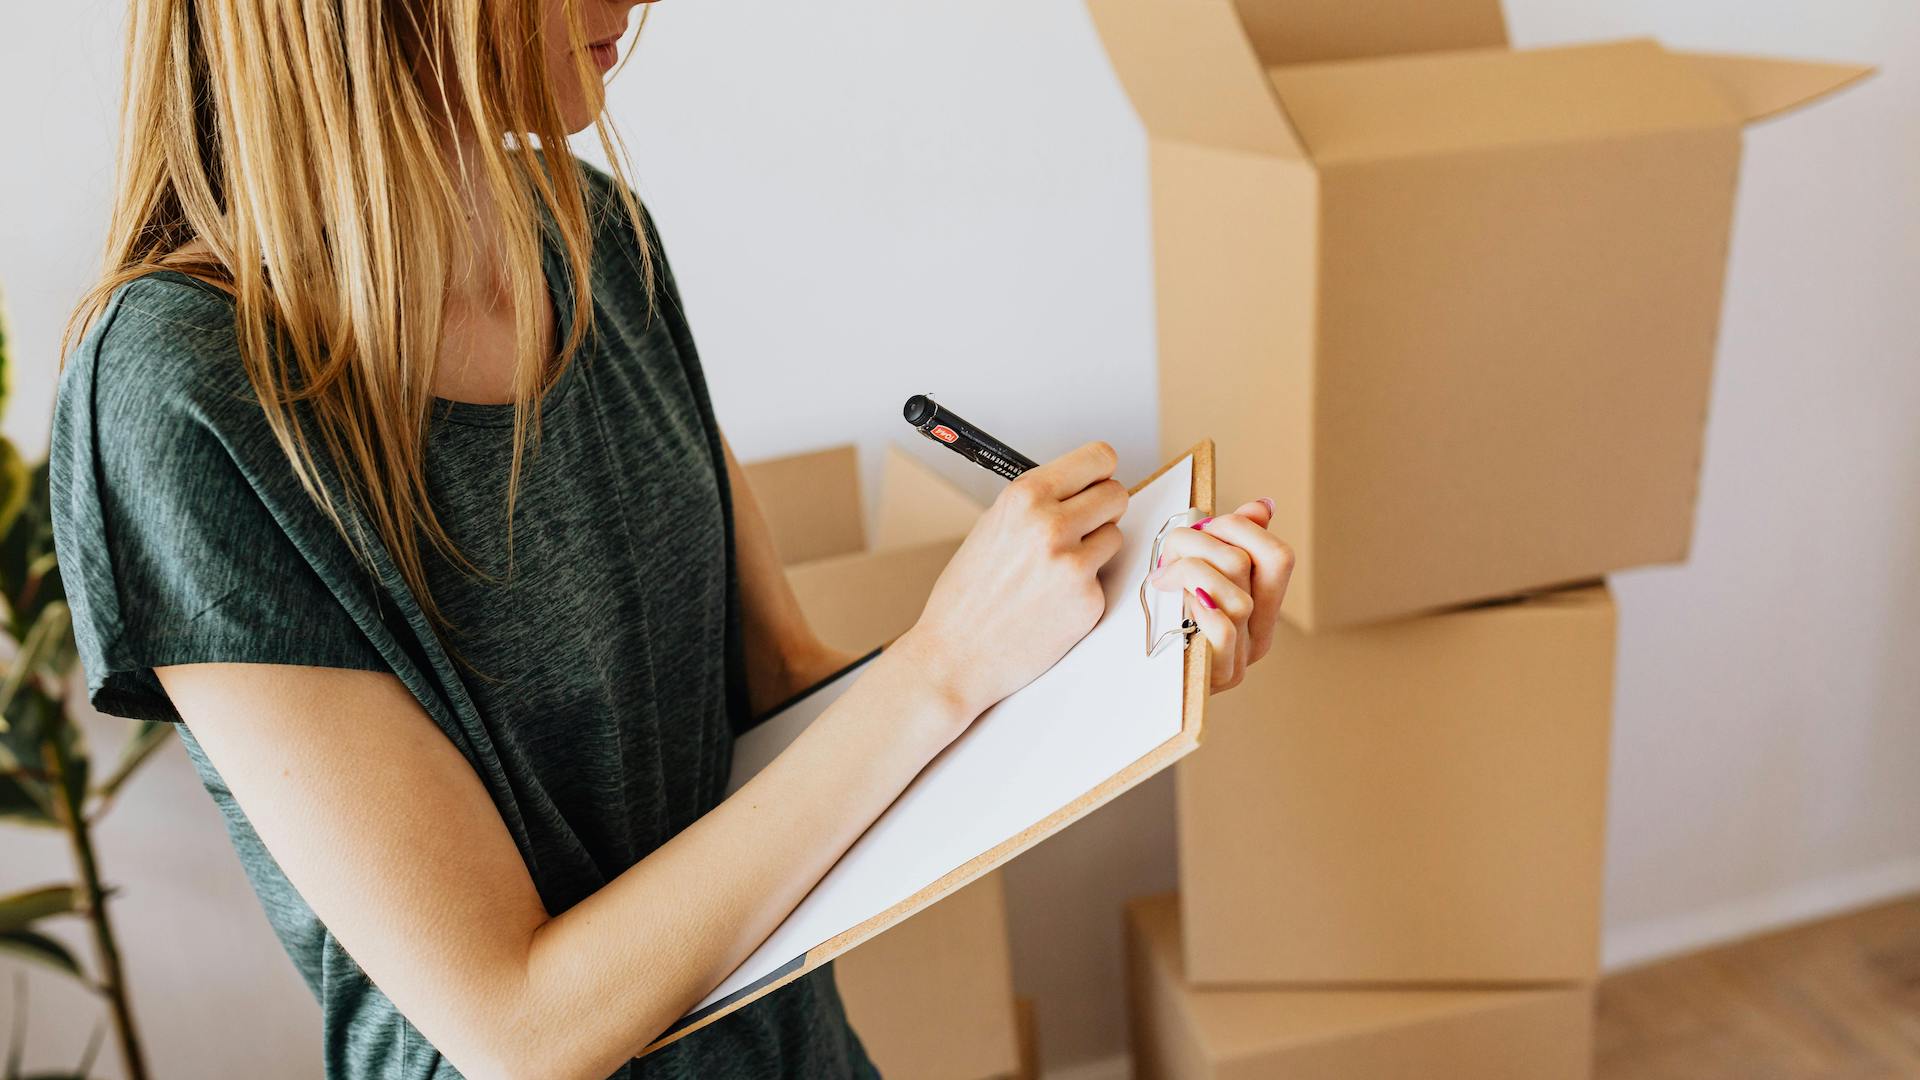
<point>384,465</point>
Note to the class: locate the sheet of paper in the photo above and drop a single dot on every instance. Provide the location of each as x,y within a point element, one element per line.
<point>1101,708</point>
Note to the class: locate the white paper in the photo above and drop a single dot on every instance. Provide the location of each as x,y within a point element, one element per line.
<point>1101,708</point>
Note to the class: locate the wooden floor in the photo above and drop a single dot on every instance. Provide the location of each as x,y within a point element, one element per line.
<point>1837,1000</point>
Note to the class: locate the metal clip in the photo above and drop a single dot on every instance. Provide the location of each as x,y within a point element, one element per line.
<point>1187,627</point>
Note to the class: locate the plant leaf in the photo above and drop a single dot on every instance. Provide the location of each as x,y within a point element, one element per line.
<point>32,719</point>
<point>15,483</point>
<point>92,1051</point>
<point>146,738</point>
<point>40,949</point>
<point>28,539</point>
<point>23,908</point>
<point>16,551</point>
<point>45,642</point>
<point>26,801</point>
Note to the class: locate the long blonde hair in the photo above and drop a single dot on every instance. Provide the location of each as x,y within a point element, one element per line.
<point>305,144</point>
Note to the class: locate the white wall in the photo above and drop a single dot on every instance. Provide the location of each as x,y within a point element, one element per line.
<point>869,199</point>
<point>1768,711</point>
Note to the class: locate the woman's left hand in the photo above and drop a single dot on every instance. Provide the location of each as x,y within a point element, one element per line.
<point>1235,574</point>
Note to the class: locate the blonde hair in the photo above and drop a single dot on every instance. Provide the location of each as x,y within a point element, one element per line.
<point>306,145</point>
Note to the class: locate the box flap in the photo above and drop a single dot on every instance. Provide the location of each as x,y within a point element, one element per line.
<point>860,601</point>
<point>1760,88</point>
<point>1304,31</point>
<point>1193,75</point>
<point>1407,106</point>
<point>918,505</point>
<point>811,502</point>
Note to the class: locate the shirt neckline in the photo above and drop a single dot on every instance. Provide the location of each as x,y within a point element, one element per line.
<point>559,294</point>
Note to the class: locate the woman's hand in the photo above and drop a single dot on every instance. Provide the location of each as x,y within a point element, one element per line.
<point>1235,573</point>
<point>1024,586</point>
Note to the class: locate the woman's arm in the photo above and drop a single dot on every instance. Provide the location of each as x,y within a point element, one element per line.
<point>389,836</point>
<point>784,656</point>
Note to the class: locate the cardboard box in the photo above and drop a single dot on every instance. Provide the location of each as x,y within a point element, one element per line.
<point>859,595</point>
<point>1181,1033</point>
<point>1029,1029</point>
<point>1418,802</point>
<point>932,998</point>
<point>1453,306</point>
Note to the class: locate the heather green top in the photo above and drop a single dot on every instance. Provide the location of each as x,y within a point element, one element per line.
<point>611,654</point>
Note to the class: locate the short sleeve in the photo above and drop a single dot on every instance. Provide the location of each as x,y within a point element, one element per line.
<point>168,552</point>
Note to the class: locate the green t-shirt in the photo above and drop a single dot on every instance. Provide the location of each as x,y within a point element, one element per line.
<point>610,668</point>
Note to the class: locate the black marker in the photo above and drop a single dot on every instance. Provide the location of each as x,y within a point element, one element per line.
<point>941,425</point>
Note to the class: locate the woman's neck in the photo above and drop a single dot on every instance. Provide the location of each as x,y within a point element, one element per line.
<point>476,260</point>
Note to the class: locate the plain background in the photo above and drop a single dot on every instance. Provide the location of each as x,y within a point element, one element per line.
<point>868,199</point>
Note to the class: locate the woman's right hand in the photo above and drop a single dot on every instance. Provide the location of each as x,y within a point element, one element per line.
<point>1024,586</point>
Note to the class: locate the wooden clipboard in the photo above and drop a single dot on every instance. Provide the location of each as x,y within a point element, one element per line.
<point>1195,678</point>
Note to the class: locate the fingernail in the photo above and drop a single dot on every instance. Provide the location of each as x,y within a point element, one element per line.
<point>1269,503</point>
<point>1201,524</point>
<point>1204,598</point>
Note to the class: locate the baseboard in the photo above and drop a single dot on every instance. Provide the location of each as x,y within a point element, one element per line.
<point>1656,939</point>
<point>1117,1067</point>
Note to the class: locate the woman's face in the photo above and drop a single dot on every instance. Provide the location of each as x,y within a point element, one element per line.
<point>602,23</point>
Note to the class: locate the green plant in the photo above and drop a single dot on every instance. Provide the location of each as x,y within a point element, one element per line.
<point>47,778</point>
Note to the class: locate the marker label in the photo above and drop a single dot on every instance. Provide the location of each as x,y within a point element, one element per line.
<point>945,434</point>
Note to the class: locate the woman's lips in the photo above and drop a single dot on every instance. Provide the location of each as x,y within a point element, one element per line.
<point>605,53</point>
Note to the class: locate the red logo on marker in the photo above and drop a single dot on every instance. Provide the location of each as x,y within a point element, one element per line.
<point>945,434</point>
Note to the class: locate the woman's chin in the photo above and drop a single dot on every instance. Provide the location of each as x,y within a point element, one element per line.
<point>577,115</point>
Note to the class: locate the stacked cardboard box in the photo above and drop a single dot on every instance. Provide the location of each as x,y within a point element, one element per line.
<point>1543,1033</point>
<point>932,997</point>
<point>1422,801</point>
<point>1453,306</point>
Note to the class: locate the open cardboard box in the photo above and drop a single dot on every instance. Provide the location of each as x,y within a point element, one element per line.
<point>1418,802</point>
<point>1452,305</point>
<point>859,594</point>
<point>932,997</point>
<point>1184,1033</point>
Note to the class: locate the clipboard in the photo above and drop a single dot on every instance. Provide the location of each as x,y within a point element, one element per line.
<point>1004,785</point>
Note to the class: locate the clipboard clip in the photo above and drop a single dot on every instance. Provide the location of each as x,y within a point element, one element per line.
<point>1187,627</point>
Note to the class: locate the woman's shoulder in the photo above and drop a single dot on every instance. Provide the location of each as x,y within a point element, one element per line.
<point>165,303</point>
<point>618,251</point>
<point>601,189</point>
<point>158,377</point>
<point>606,196</point>
<point>161,338</point>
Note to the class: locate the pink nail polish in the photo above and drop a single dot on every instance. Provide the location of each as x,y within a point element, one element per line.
<point>1204,598</point>
<point>1201,524</point>
<point>1269,503</point>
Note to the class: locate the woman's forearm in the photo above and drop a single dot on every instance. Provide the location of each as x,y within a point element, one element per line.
<point>605,978</point>
<point>387,833</point>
